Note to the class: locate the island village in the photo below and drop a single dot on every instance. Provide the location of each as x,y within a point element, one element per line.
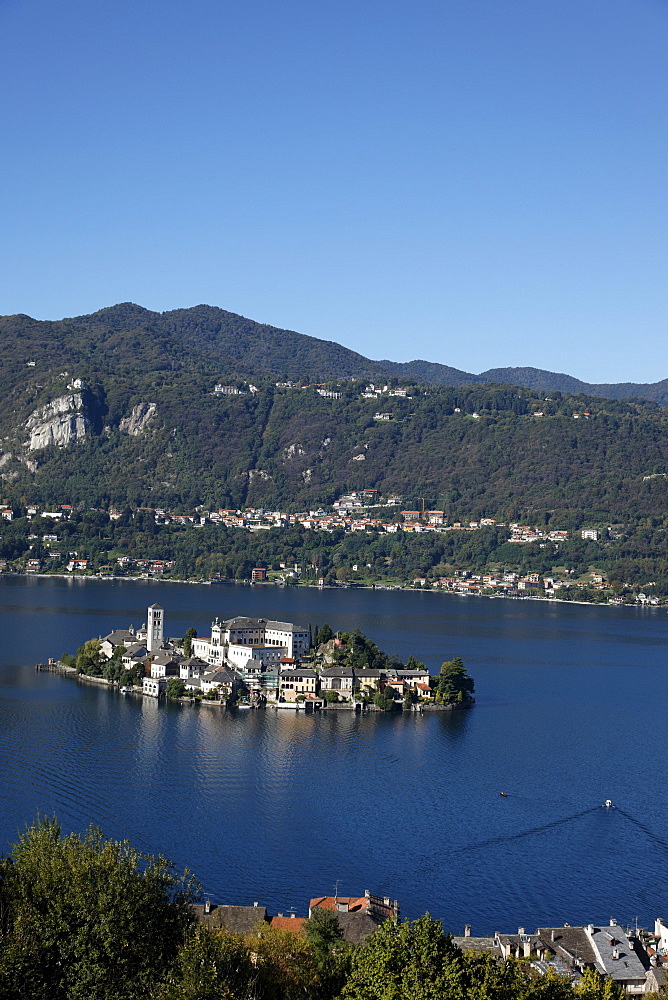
<point>255,662</point>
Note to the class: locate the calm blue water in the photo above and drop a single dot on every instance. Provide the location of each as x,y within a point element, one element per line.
<point>266,806</point>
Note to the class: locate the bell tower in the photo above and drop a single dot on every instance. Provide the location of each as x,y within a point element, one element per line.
<point>154,628</point>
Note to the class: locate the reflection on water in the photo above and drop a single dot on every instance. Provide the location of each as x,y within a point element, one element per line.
<point>277,807</point>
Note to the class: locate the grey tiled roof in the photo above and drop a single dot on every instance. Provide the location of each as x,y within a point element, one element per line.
<point>478,944</point>
<point>569,942</point>
<point>358,926</point>
<point>237,919</point>
<point>610,942</point>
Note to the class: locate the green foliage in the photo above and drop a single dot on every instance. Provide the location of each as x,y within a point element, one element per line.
<point>321,635</point>
<point>68,660</point>
<point>608,466</point>
<point>112,669</point>
<point>593,986</point>
<point>413,664</point>
<point>199,448</point>
<point>416,961</point>
<point>176,688</point>
<point>133,676</point>
<point>211,966</point>
<point>286,966</point>
<point>330,953</point>
<point>454,684</point>
<point>384,701</point>
<point>407,961</point>
<point>87,917</point>
<point>331,696</point>
<point>89,660</point>
<point>191,634</point>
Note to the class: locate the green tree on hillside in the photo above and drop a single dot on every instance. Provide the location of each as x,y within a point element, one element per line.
<point>86,917</point>
<point>211,965</point>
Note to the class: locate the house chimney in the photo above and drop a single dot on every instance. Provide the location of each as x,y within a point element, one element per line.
<point>255,904</point>
<point>520,930</point>
<point>467,931</point>
<point>615,954</point>
<point>207,906</point>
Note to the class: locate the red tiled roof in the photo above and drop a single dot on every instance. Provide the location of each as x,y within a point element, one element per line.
<point>294,924</point>
<point>354,903</point>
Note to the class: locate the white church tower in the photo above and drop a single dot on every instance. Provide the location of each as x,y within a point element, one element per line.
<point>154,628</point>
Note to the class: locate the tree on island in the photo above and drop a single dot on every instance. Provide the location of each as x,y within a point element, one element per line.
<point>321,635</point>
<point>191,634</point>
<point>384,701</point>
<point>89,659</point>
<point>176,688</point>
<point>413,664</point>
<point>454,685</point>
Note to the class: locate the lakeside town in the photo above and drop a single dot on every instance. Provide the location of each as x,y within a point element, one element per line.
<point>255,663</point>
<point>367,512</point>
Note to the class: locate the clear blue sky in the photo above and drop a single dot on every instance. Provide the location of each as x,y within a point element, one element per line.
<point>475,182</point>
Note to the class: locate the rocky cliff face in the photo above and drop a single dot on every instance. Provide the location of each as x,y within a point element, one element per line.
<point>140,416</point>
<point>61,422</point>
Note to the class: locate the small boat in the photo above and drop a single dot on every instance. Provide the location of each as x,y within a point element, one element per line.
<point>503,795</point>
<point>125,690</point>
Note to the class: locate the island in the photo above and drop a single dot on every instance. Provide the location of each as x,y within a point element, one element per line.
<point>258,663</point>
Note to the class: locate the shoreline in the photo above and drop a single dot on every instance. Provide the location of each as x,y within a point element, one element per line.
<point>357,707</point>
<point>314,586</point>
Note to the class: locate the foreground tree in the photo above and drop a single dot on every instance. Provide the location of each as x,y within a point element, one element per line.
<point>593,986</point>
<point>407,961</point>
<point>416,961</point>
<point>330,952</point>
<point>211,965</point>
<point>86,917</point>
<point>286,966</point>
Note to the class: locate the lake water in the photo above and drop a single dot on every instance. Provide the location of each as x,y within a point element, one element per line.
<point>277,807</point>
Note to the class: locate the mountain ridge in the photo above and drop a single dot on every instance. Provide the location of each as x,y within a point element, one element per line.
<point>218,334</point>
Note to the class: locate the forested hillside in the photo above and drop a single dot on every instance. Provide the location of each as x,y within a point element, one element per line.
<point>119,408</point>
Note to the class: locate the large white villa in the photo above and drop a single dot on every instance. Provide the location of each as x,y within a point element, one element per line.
<point>238,640</point>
